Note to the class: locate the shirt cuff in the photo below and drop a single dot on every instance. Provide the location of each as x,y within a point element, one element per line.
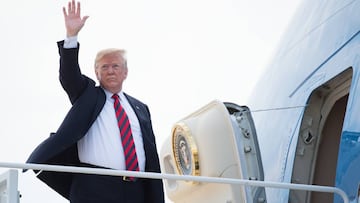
<point>70,42</point>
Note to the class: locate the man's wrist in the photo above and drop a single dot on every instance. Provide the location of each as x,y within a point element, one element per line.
<point>70,42</point>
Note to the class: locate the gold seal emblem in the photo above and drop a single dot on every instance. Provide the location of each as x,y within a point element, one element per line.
<point>185,150</point>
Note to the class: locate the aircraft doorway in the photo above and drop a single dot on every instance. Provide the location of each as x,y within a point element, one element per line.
<point>319,139</point>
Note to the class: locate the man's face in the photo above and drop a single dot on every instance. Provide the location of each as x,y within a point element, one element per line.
<point>111,71</point>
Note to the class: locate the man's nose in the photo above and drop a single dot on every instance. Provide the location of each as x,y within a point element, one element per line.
<point>110,69</point>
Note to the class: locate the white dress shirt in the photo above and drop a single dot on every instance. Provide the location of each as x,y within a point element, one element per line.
<point>102,145</point>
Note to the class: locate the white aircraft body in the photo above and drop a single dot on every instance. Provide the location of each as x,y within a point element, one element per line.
<point>302,125</point>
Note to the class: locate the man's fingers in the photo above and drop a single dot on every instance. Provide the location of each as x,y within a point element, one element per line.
<point>78,8</point>
<point>73,10</point>
<point>72,7</point>
<point>84,19</point>
<point>69,7</point>
<point>64,11</point>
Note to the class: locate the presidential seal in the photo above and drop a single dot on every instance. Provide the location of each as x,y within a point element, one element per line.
<point>185,150</point>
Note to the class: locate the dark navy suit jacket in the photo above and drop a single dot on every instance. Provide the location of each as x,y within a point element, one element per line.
<point>87,101</point>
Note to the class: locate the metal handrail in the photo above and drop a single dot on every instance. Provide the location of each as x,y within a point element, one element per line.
<point>152,175</point>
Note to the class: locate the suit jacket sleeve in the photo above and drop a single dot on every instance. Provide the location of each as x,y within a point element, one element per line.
<point>154,187</point>
<point>71,79</point>
<point>60,148</point>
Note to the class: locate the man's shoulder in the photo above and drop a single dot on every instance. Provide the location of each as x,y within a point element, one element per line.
<point>134,100</point>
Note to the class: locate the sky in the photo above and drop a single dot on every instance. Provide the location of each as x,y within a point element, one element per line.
<point>182,54</point>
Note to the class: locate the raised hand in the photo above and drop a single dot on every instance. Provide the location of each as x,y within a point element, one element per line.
<point>73,20</point>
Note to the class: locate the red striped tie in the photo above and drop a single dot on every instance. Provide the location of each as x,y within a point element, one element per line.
<point>127,140</point>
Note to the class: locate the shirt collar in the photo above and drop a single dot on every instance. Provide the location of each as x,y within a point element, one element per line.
<point>109,95</point>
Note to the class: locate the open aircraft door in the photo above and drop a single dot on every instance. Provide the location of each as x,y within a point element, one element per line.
<point>218,140</point>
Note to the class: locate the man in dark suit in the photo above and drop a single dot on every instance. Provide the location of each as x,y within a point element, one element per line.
<point>92,133</point>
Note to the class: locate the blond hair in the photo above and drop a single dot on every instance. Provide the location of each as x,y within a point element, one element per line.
<point>104,52</point>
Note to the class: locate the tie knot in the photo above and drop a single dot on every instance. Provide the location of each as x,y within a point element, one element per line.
<point>115,96</point>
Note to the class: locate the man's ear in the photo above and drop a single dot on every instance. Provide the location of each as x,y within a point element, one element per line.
<point>126,72</point>
<point>97,74</point>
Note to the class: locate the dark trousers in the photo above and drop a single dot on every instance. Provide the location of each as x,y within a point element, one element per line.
<point>105,189</point>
